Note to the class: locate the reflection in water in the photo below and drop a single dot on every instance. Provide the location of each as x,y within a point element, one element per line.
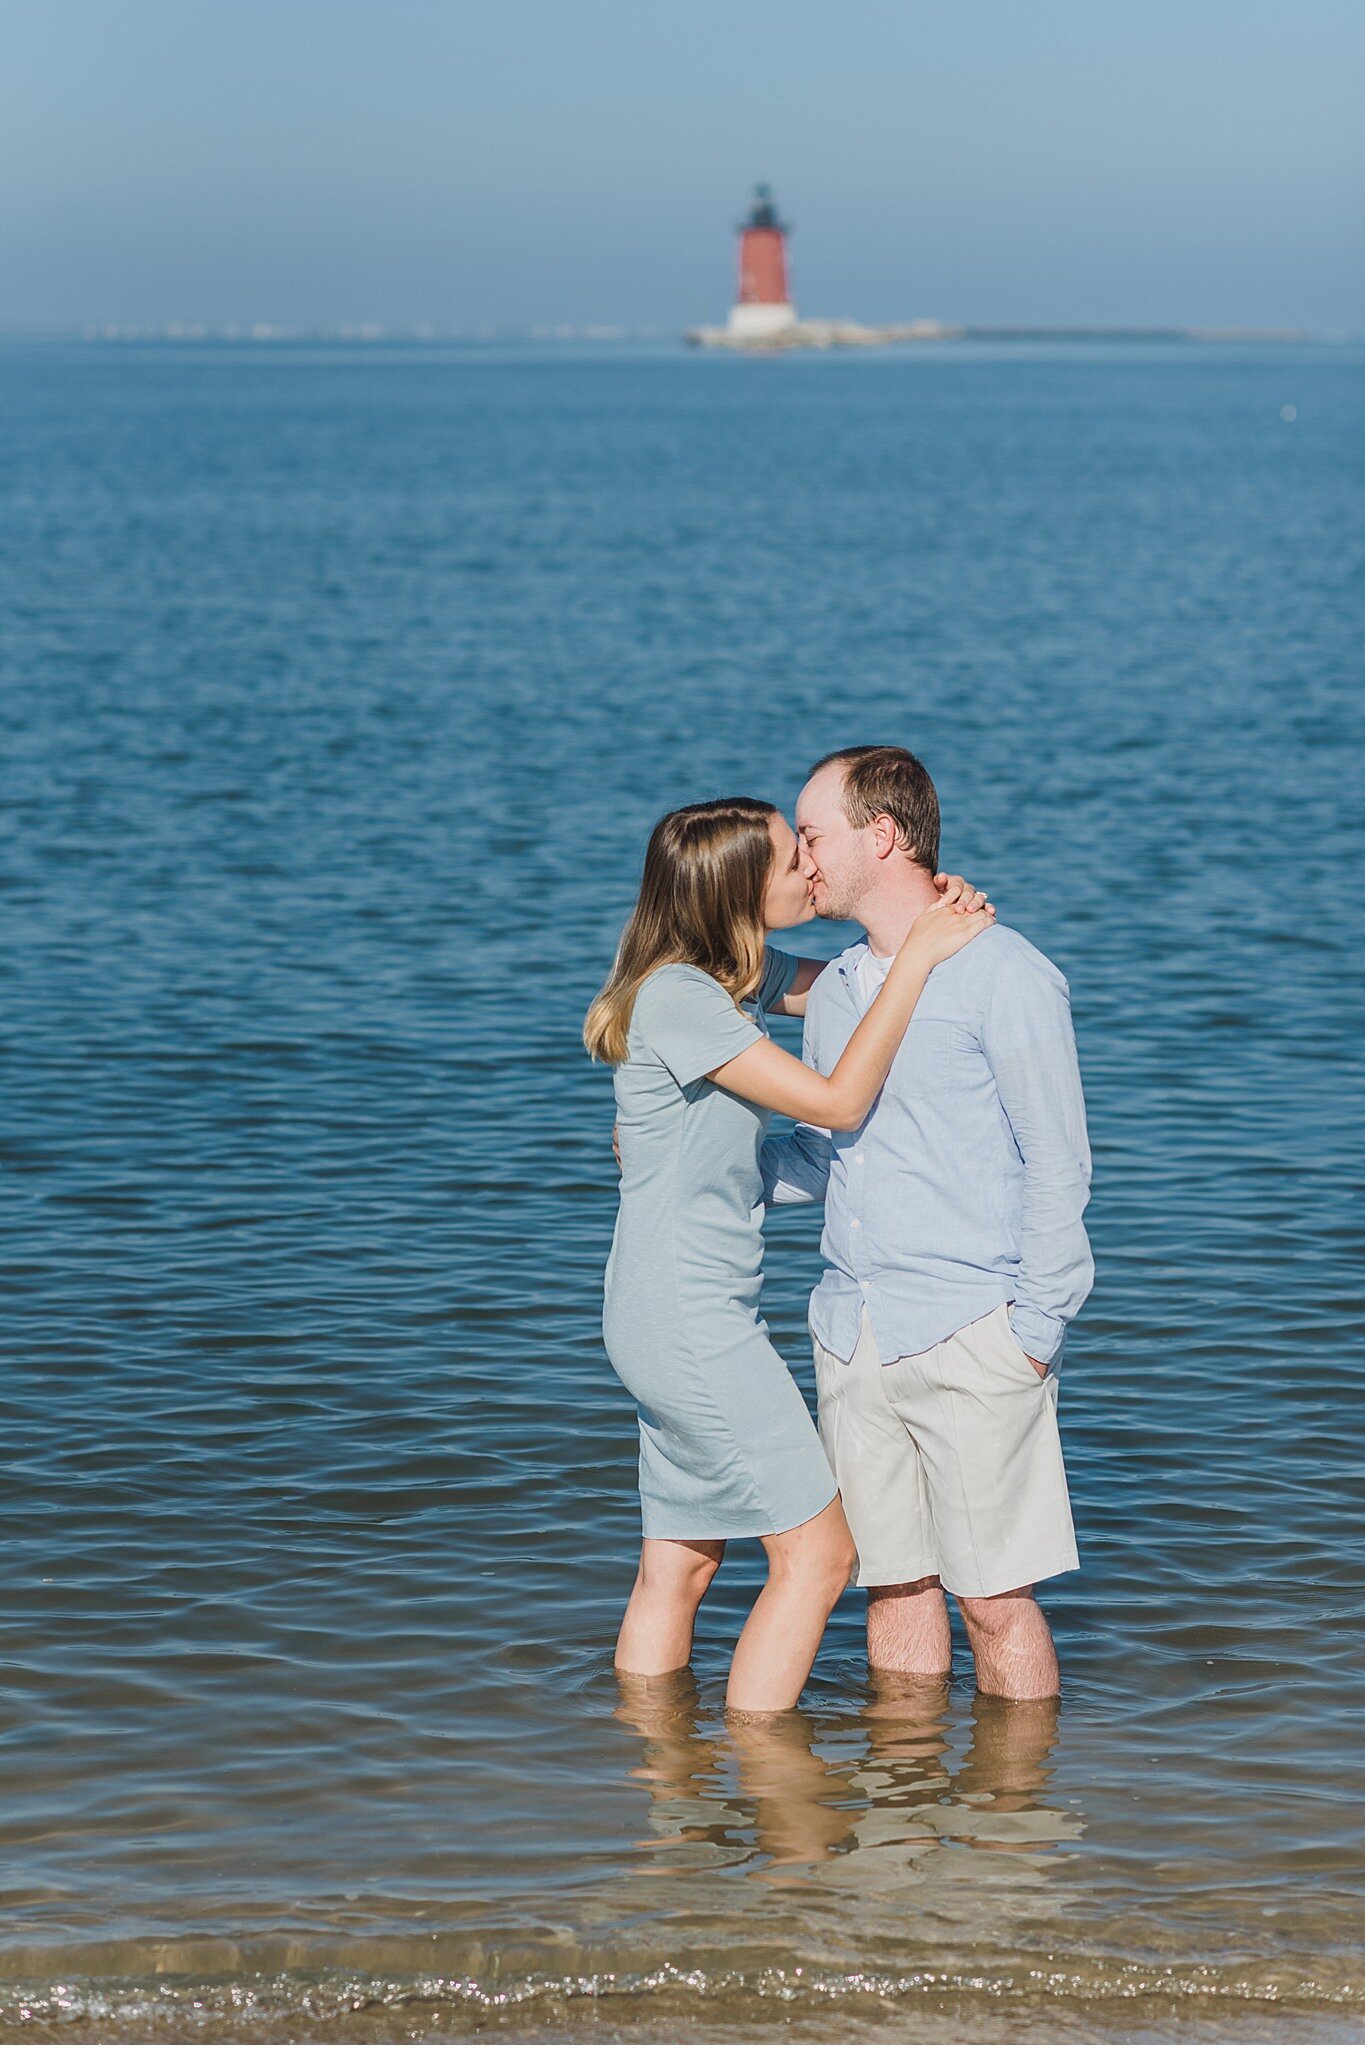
<point>681,1767</point>
<point>1006,1771</point>
<point>758,1783</point>
<point>802,1806</point>
<point>919,1811</point>
<point>907,1723</point>
<point>761,1794</point>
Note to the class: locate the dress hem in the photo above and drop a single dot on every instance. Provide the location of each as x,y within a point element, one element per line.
<point>751,1528</point>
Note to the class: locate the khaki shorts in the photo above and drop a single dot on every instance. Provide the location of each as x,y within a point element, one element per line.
<point>950,1462</point>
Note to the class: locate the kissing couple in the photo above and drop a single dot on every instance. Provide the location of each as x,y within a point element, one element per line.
<point>938,1115</point>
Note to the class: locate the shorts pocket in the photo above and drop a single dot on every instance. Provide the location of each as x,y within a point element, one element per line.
<point>1014,1350</point>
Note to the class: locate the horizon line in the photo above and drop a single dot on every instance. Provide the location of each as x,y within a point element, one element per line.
<point>262,333</point>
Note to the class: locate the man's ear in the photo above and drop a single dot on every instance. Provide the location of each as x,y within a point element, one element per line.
<point>885,838</point>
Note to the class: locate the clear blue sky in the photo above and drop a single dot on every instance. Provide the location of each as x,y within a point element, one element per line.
<point>521,161</point>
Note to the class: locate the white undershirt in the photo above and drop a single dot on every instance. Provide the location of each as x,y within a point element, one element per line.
<point>872,972</point>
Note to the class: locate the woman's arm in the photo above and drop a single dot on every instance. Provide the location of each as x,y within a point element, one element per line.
<point>954,889</point>
<point>772,1078</point>
<point>793,1003</point>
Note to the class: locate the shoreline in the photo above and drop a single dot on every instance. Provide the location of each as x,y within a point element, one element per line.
<point>545,1979</point>
<point>1042,2004</point>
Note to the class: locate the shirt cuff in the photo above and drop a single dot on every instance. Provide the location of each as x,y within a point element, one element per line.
<point>1042,1337</point>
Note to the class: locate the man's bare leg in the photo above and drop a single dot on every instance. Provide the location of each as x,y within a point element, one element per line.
<point>908,1632</point>
<point>1012,1645</point>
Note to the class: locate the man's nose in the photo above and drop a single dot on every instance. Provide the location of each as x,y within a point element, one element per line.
<point>808,867</point>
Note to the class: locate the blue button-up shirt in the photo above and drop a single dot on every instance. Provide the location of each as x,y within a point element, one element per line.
<point>966,1186</point>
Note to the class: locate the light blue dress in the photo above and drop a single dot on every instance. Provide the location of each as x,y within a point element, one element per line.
<point>727,1444</point>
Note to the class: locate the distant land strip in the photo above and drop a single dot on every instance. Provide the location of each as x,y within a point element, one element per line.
<point>801,334</point>
<point>849,334</point>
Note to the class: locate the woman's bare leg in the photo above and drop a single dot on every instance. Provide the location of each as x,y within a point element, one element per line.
<point>808,1569</point>
<point>656,1633</point>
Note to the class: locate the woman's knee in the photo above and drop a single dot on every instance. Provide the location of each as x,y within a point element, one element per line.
<point>829,1575</point>
<point>843,1555</point>
<point>678,1569</point>
<point>819,1557</point>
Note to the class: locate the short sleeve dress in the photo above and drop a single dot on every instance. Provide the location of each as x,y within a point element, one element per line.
<point>727,1445</point>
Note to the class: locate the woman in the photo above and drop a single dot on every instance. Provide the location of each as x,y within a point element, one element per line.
<point>727,1444</point>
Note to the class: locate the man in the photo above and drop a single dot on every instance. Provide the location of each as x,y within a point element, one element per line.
<point>955,1255</point>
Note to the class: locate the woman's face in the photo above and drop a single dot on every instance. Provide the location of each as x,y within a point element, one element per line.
<point>787,899</point>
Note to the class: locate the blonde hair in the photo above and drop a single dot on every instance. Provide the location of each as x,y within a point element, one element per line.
<point>701,902</point>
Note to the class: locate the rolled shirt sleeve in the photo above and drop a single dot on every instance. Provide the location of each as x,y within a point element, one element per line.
<point>1029,1042</point>
<point>795,1166</point>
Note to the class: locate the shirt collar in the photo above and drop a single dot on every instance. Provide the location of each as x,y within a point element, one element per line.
<point>847,965</point>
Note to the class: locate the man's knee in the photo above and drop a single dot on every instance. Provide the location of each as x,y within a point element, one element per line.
<point>999,1613</point>
<point>908,1637</point>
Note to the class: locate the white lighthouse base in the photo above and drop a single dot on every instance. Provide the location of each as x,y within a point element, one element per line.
<point>761,323</point>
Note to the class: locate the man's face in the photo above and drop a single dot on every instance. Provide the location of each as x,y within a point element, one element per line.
<point>839,855</point>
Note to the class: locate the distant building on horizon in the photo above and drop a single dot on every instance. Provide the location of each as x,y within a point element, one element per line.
<point>763,319</point>
<point>764,306</point>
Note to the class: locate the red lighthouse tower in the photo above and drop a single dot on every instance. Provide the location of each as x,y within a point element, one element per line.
<point>763,306</point>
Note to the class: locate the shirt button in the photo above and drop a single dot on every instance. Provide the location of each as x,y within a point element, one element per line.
<point>857,1225</point>
<point>857,1159</point>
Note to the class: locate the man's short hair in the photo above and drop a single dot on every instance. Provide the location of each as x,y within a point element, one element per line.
<point>891,782</point>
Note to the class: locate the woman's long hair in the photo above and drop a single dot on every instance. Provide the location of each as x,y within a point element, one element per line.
<point>701,901</point>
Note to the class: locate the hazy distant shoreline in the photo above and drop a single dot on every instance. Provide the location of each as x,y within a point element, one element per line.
<point>261,334</point>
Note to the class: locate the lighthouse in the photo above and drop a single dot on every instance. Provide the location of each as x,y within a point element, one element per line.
<point>763,319</point>
<point>763,308</point>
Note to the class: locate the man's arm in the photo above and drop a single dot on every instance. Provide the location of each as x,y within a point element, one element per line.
<point>795,1167</point>
<point>808,972</point>
<point>1029,1042</point>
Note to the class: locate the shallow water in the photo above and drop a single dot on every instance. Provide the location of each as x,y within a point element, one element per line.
<point>340,690</point>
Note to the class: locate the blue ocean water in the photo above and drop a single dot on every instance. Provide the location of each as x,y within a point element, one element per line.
<point>340,689</point>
